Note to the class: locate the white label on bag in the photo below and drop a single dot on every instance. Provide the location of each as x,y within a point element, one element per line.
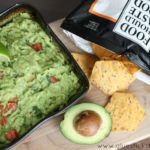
<point>108,9</point>
<point>134,23</point>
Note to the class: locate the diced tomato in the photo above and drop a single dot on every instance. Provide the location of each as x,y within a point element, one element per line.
<point>53,79</point>
<point>11,135</point>
<point>37,47</point>
<point>3,121</point>
<point>12,105</point>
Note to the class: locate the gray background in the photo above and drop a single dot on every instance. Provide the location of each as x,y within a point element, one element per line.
<point>50,9</point>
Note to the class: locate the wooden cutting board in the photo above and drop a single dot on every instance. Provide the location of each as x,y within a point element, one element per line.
<point>48,136</point>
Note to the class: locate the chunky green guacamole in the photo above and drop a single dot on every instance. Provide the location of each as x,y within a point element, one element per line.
<point>37,80</point>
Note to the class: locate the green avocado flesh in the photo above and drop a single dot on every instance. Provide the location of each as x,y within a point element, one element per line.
<point>68,129</point>
<point>4,53</point>
<point>38,80</point>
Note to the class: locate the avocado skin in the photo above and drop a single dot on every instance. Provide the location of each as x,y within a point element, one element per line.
<point>69,132</point>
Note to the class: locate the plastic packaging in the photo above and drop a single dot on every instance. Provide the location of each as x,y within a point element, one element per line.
<point>120,26</point>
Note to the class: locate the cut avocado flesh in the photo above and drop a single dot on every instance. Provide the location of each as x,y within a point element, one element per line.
<point>68,129</point>
<point>4,53</point>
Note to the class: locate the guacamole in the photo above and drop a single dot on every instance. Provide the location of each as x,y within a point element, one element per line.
<point>37,81</point>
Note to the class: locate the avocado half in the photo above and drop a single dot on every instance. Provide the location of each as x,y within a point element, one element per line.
<point>68,129</point>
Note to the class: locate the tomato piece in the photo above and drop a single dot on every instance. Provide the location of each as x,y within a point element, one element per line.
<point>12,105</point>
<point>3,121</point>
<point>37,47</point>
<point>53,79</point>
<point>11,135</point>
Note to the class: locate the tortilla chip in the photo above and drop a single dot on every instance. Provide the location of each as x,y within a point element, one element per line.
<point>86,62</point>
<point>102,52</point>
<point>105,54</point>
<point>111,76</point>
<point>132,68</point>
<point>126,112</point>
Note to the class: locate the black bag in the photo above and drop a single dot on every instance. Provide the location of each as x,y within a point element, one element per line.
<point>119,33</point>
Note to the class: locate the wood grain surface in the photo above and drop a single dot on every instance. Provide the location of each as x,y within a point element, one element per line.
<point>48,136</point>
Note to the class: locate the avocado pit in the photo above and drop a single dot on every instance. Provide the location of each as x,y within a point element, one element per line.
<point>87,123</point>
